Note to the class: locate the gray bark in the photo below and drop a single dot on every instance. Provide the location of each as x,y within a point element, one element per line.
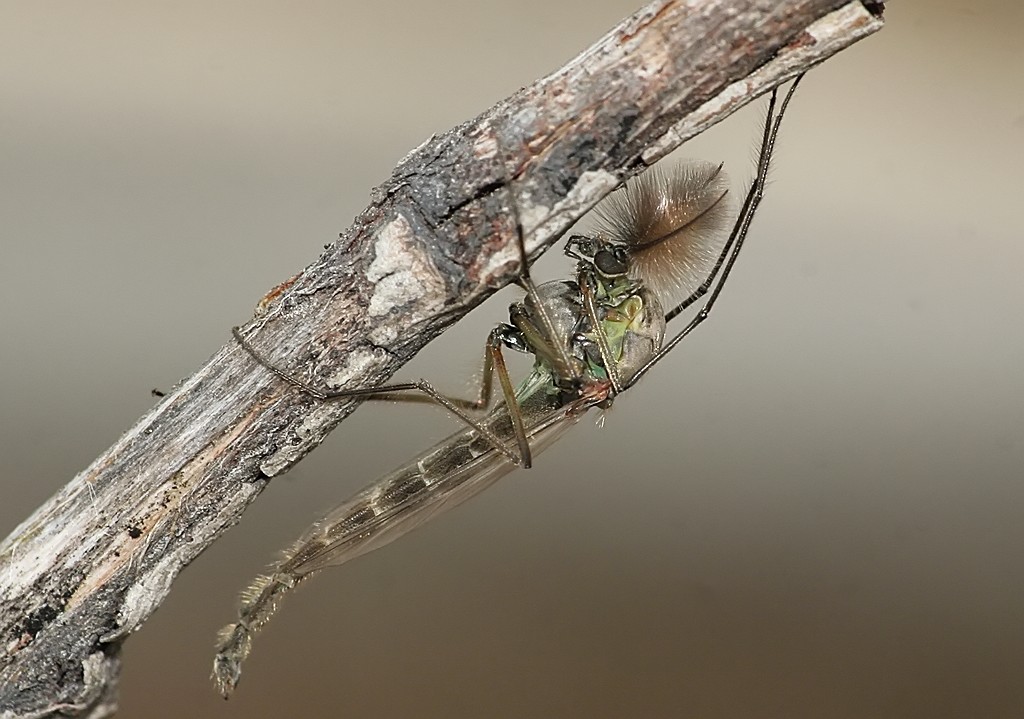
<point>90,565</point>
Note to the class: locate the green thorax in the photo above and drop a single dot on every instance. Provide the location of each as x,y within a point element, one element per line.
<point>632,323</point>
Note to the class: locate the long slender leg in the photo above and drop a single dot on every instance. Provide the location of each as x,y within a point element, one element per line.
<point>494,362</point>
<point>745,211</point>
<point>516,415</point>
<point>561,361</point>
<point>260,600</point>
<point>585,281</point>
<point>730,252</point>
<point>382,392</point>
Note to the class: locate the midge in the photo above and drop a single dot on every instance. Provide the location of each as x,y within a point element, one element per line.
<point>662,244</point>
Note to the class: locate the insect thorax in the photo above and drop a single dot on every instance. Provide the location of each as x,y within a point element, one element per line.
<point>629,316</point>
<point>633,323</point>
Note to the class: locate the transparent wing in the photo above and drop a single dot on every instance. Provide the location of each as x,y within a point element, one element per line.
<point>437,480</point>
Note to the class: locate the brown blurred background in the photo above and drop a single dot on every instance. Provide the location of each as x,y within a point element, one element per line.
<point>812,509</point>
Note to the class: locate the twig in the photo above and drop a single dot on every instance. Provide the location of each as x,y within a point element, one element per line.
<point>93,563</point>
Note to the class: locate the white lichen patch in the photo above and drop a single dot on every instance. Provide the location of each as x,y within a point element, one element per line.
<point>313,423</point>
<point>309,428</point>
<point>145,595</point>
<point>592,186</point>
<point>356,363</point>
<point>403,276</point>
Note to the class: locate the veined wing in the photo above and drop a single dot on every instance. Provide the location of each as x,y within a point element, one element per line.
<point>437,480</point>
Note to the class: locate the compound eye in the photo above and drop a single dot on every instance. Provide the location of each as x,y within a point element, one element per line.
<point>511,338</point>
<point>609,263</point>
<point>585,244</point>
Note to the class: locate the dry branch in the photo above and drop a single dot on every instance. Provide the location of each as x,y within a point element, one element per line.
<point>93,563</point>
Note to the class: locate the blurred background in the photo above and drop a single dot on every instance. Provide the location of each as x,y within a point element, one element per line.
<point>812,508</point>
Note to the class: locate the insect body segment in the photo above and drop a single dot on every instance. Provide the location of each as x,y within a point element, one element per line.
<point>592,337</point>
<point>587,335</point>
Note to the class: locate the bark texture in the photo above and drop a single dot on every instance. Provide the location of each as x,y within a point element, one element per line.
<point>94,562</point>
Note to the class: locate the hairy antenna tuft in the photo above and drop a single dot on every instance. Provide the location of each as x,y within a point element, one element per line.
<point>674,224</point>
